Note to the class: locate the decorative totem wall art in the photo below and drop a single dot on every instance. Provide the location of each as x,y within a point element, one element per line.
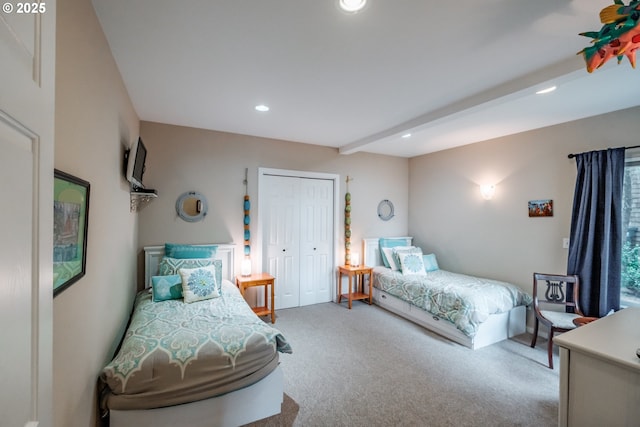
<point>347,224</point>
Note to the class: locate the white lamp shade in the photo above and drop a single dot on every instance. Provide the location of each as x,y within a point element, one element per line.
<point>245,268</point>
<point>355,259</point>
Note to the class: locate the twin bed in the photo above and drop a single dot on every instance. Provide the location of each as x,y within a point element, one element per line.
<point>213,362</point>
<point>469,310</point>
<point>210,362</point>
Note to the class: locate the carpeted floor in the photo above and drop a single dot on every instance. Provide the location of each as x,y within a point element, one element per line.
<point>369,367</point>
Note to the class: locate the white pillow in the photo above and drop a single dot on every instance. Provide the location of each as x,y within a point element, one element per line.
<point>392,257</point>
<point>393,262</point>
<point>199,283</point>
<point>403,250</point>
<point>412,263</point>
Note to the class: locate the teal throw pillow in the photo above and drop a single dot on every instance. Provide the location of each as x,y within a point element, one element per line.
<point>166,287</point>
<point>169,265</point>
<point>177,250</point>
<point>430,262</point>
<point>387,242</point>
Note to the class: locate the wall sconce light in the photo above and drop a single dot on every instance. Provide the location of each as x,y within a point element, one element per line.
<point>487,191</point>
<point>352,6</point>
<point>245,268</point>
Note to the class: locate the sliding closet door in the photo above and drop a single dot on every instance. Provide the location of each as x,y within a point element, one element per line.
<point>298,238</point>
<point>316,240</point>
<point>281,237</point>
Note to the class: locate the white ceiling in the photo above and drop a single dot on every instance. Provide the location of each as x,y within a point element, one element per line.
<point>450,73</point>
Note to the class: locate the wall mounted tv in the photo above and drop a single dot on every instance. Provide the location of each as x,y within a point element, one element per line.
<point>136,158</point>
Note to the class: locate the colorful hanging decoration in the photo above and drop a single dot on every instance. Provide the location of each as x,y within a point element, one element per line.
<point>618,37</point>
<point>247,217</point>
<point>347,225</point>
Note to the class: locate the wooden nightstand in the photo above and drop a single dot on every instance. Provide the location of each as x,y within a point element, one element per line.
<point>359,273</point>
<point>260,279</point>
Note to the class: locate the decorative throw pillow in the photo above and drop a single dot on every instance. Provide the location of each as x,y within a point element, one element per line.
<point>386,254</point>
<point>169,266</point>
<point>217,263</point>
<point>412,263</point>
<point>176,250</point>
<point>404,250</point>
<point>393,262</point>
<point>166,287</point>
<point>199,283</point>
<point>390,243</point>
<point>430,262</point>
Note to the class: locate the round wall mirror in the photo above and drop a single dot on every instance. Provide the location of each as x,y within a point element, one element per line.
<point>385,210</point>
<point>191,206</point>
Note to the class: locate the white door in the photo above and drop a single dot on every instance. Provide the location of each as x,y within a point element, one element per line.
<point>298,238</point>
<point>280,234</point>
<point>27,49</point>
<point>316,240</point>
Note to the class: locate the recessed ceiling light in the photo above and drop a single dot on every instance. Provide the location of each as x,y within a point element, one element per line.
<point>547,90</point>
<point>352,6</point>
<point>262,108</point>
<point>406,136</point>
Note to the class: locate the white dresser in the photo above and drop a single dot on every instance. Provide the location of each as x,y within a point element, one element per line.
<point>600,372</point>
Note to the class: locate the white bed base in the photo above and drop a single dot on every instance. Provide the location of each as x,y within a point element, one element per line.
<point>255,402</point>
<point>260,400</point>
<point>496,328</point>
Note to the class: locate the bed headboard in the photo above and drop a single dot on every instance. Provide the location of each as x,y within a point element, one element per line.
<point>371,250</point>
<point>153,255</point>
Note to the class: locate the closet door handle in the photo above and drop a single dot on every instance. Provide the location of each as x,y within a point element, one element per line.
<point>284,250</point>
<point>314,249</point>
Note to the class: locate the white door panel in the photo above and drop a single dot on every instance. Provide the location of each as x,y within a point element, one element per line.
<point>316,243</point>
<point>27,79</point>
<point>18,275</point>
<point>298,238</point>
<point>282,254</point>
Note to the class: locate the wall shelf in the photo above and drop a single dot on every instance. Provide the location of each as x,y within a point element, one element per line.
<point>140,199</point>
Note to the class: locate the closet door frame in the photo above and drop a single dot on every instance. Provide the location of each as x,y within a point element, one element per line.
<point>262,174</point>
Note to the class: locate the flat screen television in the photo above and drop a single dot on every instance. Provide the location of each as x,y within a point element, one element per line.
<point>136,164</point>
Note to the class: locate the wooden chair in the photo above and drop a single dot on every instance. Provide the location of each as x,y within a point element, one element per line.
<point>553,306</point>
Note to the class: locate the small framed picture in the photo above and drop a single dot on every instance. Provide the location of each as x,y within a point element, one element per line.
<point>540,208</point>
<point>70,225</point>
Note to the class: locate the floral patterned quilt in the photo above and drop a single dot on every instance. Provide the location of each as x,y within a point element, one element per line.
<point>466,301</point>
<point>174,352</point>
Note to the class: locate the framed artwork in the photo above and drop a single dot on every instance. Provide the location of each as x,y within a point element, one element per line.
<point>540,208</point>
<point>70,225</point>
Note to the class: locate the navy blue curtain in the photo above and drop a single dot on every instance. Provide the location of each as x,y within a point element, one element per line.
<point>595,249</point>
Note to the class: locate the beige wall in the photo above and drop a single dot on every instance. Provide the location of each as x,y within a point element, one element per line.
<point>94,122</point>
<point>185,159</point>
<point>436,198</point>
<point>496,238</point>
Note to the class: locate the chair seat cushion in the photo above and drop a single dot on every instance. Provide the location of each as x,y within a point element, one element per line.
<point>560,319</point>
